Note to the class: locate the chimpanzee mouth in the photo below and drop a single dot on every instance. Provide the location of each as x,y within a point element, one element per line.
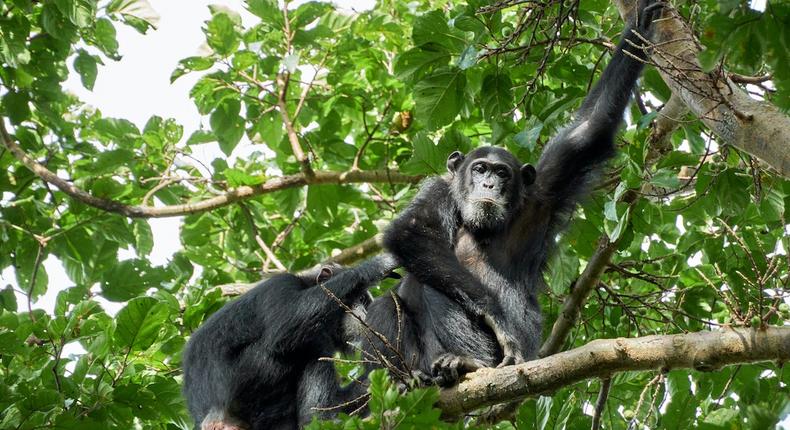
<point>485,200</point>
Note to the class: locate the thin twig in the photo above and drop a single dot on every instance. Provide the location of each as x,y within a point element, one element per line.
<point>603,394</point>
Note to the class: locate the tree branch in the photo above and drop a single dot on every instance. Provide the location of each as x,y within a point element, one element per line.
<point>702,351</point>
<point>358,252</point>
<point>347,256</point>
<point>238,194</point>
<point>753,126</point>
<point>603,394</point>
<point>293,138</point>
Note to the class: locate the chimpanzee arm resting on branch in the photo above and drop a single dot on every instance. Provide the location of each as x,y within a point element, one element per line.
<point>703,351</point>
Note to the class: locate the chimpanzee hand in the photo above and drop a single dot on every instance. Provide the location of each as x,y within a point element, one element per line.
<point>511,352</point>
<point>419,379</point>
<point>386,262</point>
<point>448,368</point>
<point>647,12</point>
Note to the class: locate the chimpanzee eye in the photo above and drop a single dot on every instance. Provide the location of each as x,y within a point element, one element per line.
<point>503,173</point>
<point>479,168</point>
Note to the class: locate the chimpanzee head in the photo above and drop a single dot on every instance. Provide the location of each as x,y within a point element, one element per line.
<point>488,186</point>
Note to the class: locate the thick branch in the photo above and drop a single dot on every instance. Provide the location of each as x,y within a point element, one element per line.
<point>754,126</point>
<point>235,195</point>
<point>358,252</point>
<point>703,351</point>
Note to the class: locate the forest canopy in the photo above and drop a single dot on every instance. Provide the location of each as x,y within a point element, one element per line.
<point>669,293</point>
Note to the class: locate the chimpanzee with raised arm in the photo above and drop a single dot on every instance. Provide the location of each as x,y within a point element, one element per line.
<point>475,241</point>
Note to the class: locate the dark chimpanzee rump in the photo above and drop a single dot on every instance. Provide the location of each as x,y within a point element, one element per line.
<point>254,363</point>
<point>475,242</point>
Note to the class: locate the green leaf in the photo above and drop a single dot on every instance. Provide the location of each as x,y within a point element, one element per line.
<point>563,270</point>
<point>497,95</point>
<point>110,161</point>
<point>322,200</point>
<point>665,178</point>
<point>222,34</point>
<point>439,97</point>
<point>105,38</point>
<point>432,28</point>
<point>681,406</point>
<point>80,12</point>
<point>469,23</point>
<point>468,57</point>
<point>116,129</point>
<point>143,237</point>
<point>308,12</point>
<point>201,136</point>
<point>412,64</point>
<point>227,125</point>
<point>427,157</point>
<point>16,107</point>
<point>528,137</point>
<point>237,177</point>
<point>139,323</point>
<point>270,128</point>
<point>14,33</point>
<point>131,278</point>
<point>31,274</point>
<point>191,64</point>
<point>55,24</point>
<point>709,59</point>
<point>8,299</point>
<point>267,10</point>
<point>614,232</point>
<point>721,419</point>
<point>85,65</point>
<point>137,13</point>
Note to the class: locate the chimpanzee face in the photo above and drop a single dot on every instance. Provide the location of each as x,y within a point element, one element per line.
<point>487,186</point>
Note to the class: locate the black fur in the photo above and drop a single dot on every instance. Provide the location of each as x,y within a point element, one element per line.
<point>475,242</point>
<point>254,363</point>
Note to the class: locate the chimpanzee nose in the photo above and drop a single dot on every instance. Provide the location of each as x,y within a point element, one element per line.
<point>489,185</point>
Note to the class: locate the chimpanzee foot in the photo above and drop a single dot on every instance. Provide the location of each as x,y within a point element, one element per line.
<point>510,360</point>
<point>448,368</point>
<point>418,379</point>
<point>421,379</point>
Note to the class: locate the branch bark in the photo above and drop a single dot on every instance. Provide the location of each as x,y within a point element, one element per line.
<point>702,351</point>
<point>238,194</point>
<point>756,127</point>
<point>358,252</point>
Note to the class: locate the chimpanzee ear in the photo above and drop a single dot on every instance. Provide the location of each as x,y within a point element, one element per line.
<point>323,275</point>
<point>454,161</point>
<point>528,174</point>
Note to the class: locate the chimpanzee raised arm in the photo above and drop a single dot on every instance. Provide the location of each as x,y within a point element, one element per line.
<point>572,157</point>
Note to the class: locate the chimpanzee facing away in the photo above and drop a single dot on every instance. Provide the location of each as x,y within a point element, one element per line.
<point>254,363</point>
<point>475,242</point>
